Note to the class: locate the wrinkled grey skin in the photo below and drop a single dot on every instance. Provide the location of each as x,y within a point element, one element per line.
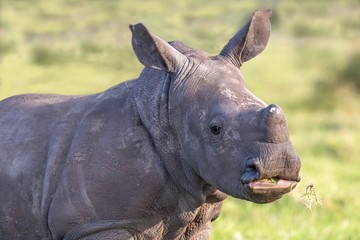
<point>151,158</point>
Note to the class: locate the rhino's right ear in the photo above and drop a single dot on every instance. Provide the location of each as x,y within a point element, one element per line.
<point>153,52</point>
<point>250,40</point>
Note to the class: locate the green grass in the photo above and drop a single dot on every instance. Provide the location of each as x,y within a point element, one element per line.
<point>309,68</point>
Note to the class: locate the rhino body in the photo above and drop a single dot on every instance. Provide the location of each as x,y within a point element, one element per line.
<point>151,158</point>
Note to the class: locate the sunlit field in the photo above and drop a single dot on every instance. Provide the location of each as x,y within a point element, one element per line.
<point>311,68</point>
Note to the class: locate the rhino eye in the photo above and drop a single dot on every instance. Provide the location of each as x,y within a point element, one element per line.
<point>215,129</point>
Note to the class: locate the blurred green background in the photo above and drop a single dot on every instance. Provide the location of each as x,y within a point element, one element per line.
<point>311,68</point>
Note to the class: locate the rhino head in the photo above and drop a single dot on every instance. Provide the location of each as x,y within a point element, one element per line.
<point>215,127</point>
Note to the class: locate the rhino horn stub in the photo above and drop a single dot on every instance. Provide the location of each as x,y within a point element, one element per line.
<point>250,41</point>
<point>153,52</point>
<point>275,125</point>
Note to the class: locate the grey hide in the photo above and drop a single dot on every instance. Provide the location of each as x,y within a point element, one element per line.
<point>151,158</point>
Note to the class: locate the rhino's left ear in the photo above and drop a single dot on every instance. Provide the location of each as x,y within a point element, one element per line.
<point>250,40</point>
<point>153,52</point>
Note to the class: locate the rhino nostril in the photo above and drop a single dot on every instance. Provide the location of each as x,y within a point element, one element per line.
<point>250,175</point>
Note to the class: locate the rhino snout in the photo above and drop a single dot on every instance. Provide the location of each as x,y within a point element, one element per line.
<point>274,172</point>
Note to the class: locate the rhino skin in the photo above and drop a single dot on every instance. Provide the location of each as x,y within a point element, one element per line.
<point>151,158</point>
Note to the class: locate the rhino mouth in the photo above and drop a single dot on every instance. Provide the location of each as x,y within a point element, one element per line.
<point>268,190</point>
<point>252,179</point>
<point>272,184</point>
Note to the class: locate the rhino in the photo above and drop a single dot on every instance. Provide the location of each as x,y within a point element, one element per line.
<point>150,158</point>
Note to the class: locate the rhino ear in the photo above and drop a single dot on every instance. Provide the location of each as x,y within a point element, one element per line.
<point>153,52</point>
<point>250,40</point>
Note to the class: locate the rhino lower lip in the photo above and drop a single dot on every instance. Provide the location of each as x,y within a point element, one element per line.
<point>272,184</point>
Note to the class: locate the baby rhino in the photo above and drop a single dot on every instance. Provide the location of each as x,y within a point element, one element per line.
<point>151,158</point>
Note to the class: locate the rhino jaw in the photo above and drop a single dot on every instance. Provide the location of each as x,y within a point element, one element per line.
<point>268,190</point>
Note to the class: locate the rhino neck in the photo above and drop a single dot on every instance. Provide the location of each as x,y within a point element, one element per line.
<point>151,97</point>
